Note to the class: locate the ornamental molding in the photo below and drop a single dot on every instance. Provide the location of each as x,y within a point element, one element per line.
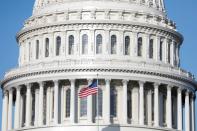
<point>28,33</point>
<point>131,71</point>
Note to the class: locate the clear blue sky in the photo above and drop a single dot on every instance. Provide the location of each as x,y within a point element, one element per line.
<point>14,12</point>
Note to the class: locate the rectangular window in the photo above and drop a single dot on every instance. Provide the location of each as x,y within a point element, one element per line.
<point>29,51</point>
<point>37,49</point>
<point>160,50</point>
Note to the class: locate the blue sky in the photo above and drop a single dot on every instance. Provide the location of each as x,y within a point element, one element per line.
<point>14,12</point>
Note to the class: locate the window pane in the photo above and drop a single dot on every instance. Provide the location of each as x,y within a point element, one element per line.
<point>100,103</point>
<point>113,102</point>
<point>139,51</point>
<point>151,49</point>
<point>85,44</point>
<point>68,103</point>
<point>129,104</point>
<point>127,45</point>
<point>47,47</point>
<point>37,49</point>
<point>83,106</point>
<point>71,45</point>
<point>160,50</point>
<point>113,44</point>
<point>58,45</point>
<point>29,51</point>
<point>99,41</point>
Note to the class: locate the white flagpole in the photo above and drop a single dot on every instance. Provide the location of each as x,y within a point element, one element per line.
<point>97,104</point>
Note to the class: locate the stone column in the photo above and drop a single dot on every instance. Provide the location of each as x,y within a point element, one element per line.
<point>41,97</point>
<point>169,107</point>
<point>149,107</point>
<point>172,53</point>
<point>28,106</point>
<point>17,108</point>
<point>89,106</point>
<point>141,105</point>
<point>120,43</point>
<point>73,101</point>
<point>106,49</point>
<point>10,109</point>
<point>77,49</point>
<point>56,92</point>
<point>106,113</point>
<point>187,112</point>
<point>179,109</point>
<point>133,46</point>
<point>124,103</point>
<point>135,105</point>
<point>5,111</point>
<point>91,43</point>
<point>156,104</point>
<point>48,106</point>
<point>36,107</point>
<point>193,112</point>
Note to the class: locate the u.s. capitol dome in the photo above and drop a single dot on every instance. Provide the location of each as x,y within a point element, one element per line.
<point>130,46</point>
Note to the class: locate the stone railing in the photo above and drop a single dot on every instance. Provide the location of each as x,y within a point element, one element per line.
<point>103,64</point>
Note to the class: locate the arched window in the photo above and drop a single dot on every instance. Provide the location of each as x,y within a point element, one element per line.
<point>47,47</point>
<point>160,50</point>
<point>113,102</point>
<point>113,44</point>
<point>127,45</point>
<point>68,103</point>
<point>83,106</point>
<point>58,45</point>
<point>71,45</point>
<point>151,48</point>
<point>100,103</point>
<point>85,44</point>
<point>139,46</point>
<point>37,49</point>
<point>99,42</point>
<point>129,104</point>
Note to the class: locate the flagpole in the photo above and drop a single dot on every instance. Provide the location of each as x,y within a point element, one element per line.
<point>97,104</point>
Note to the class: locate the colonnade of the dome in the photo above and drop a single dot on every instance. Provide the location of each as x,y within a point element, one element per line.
<point>124,102</point>
<point>77,44</point>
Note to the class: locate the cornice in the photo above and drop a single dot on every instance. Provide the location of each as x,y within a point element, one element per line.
<point>102,24</point>
<point>130,71</point>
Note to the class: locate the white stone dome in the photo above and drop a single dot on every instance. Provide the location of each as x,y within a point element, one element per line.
<point>129,47</point>
<point>147,6</point>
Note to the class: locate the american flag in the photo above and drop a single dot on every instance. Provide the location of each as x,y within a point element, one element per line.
<point>90,90</point>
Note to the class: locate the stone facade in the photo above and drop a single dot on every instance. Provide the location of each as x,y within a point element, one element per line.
<point>130,46</point>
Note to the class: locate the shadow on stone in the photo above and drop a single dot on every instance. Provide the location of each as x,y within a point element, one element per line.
<point>114,127</point>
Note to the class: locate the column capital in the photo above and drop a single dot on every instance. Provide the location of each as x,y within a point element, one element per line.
<point>18,87</point>
<point>187,92</point>
<point>10,90</point>
<point>169,87</point>
<point>89,81</point>
<point>55,81</point>
<point>141,83</point>
<point>72,80</point>
<point>28,85</point>
<point>179,90</point>
<point>125,81</point>
<point>193,95</point>
<point>156,84</point>
<point>41,83</point>
<point>5,92</point>
<point>107,80</point>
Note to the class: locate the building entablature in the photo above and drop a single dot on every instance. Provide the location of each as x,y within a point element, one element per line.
<point>108,69</point>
